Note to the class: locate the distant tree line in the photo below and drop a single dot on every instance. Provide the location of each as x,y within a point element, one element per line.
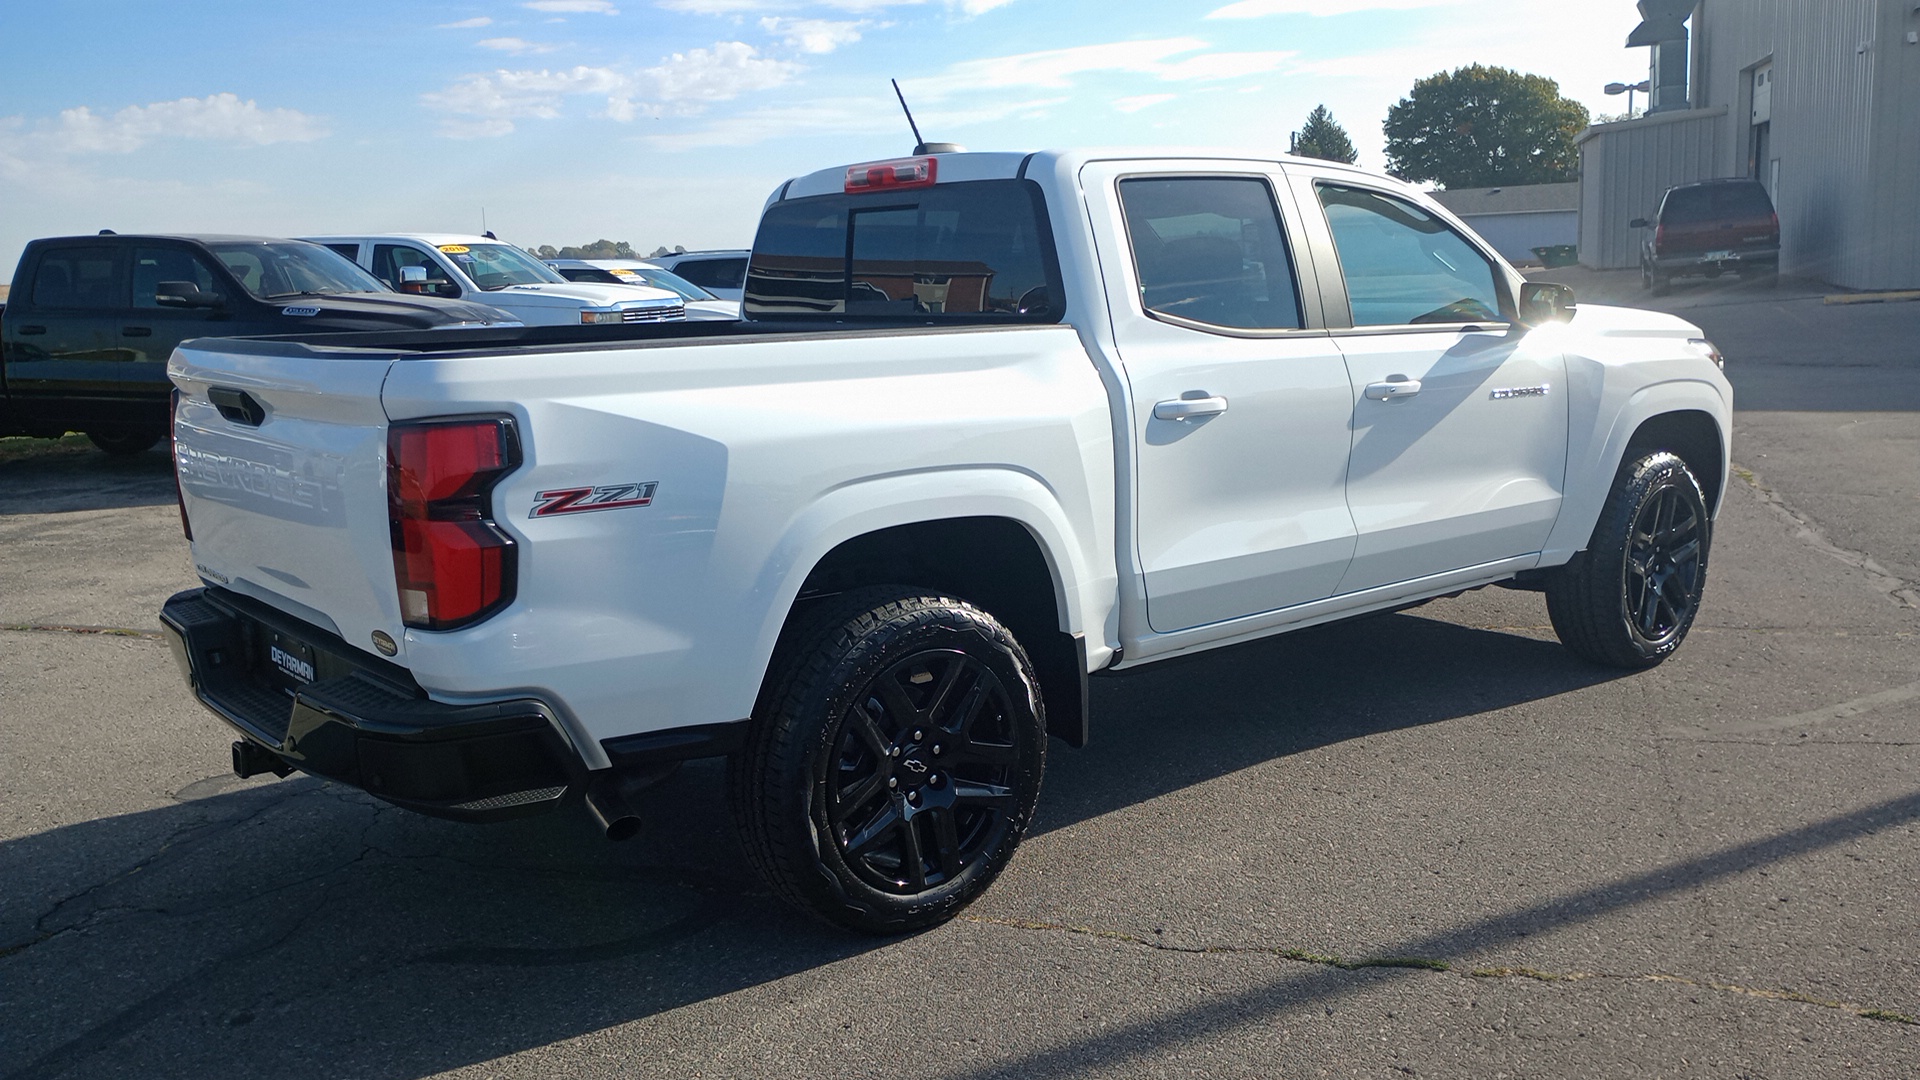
<point>602,249</point>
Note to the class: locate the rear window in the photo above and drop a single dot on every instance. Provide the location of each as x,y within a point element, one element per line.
<point>1715,202</point>
<point>972,250</point>
<point>713,273</point>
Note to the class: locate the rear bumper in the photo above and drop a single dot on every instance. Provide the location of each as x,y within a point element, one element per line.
<point>1735,262</point>
<point>363,722</point>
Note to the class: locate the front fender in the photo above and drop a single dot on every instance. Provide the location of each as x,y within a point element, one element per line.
<point>1591,469</point>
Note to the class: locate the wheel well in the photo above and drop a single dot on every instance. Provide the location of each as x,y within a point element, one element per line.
<point>994,564</point>
<point>1694,437</point>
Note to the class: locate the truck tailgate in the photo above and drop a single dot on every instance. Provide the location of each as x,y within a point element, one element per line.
<point>281,454</point>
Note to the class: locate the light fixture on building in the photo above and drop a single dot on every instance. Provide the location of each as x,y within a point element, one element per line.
<point>1615,89</point>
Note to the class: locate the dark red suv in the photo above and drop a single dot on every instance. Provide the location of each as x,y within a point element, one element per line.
<point>1713,227</point>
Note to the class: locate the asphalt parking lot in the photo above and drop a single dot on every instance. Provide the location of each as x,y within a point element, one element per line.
<point>1423,844</point>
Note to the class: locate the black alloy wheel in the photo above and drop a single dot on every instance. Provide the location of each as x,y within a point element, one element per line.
<point>1661,573</point>
<point>1629,599</point>
<point>919,784</point>
<point>893,761</point>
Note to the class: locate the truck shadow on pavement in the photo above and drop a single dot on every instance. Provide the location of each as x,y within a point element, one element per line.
<point>40,477</point>
<point>329,934</point>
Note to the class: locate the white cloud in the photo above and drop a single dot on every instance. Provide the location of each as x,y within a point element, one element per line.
<point>1054,68</point>
<point>1255,9</point>
<point>818,36</point>
<point>727,70</point>
<point>573,7</point>
<point>684,83</point>
<point>1226,65</point>
<point>715,7</point>
<point>1143,101</point>
<point>489,104</point>
<point>466,24</point>
<point>839,117</point>
<point>220,117</point>
<point>771,8</point>
<point>514,45</point>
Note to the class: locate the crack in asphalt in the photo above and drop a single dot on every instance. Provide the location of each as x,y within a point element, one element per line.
<point>182,839</point>
<point>132,1018</point>
<point>1780,725</point>
<point>1298,955</point>
<point>1864,1012</point>
<point>1902,592</point>
<point>1794,996</point>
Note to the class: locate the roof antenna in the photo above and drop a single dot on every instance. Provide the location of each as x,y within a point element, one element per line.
<point>921,146</point>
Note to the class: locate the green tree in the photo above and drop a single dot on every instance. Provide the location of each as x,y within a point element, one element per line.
<point>1484,126</point>
<point>599,249</point>
<point>1322,137</point>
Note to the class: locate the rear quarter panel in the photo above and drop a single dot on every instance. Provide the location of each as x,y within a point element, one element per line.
<point>765,455</point>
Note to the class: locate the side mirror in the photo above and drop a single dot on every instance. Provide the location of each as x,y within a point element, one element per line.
<point>413,275</point>
<point>1543,302</point>
<point>185,294</point>
<point>1637,223</point>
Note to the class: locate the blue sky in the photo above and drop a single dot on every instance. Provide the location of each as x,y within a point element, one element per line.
<point>669,121</point>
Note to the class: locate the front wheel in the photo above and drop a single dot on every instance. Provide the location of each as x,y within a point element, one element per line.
<point>894,759</point>
<point>1631,599</point>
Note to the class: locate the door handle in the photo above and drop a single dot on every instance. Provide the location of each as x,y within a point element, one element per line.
<point>136,331</point>
<point>1393,389</point>
<point>28,330</point>
<point>1189,408</point>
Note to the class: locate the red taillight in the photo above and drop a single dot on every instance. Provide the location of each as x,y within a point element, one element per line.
<point>891,175</point>
<point>453,565</point>
<point>1659,237</point>
<point>173,448</point>
<point>1776,225</point>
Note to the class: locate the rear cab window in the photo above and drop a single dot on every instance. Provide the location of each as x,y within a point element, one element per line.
<point>83,278</point>
<point>713,273</point>
<point>1209,250</point>
<point>970,250</point>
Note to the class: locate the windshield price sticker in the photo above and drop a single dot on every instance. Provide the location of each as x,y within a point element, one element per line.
<point>455,249</point>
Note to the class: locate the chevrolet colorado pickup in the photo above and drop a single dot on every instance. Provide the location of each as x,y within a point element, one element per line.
<point>91,321</point>
<point>991,423</point>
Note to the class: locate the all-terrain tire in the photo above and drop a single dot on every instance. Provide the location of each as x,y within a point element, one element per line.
<point>1630,598</point>
<point>893,760</point>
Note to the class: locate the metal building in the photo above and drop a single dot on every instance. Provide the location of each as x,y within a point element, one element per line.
<point>1818,99</point>
<point>1517,219</point>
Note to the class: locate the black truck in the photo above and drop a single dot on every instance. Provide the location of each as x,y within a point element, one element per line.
<point>90,321</point>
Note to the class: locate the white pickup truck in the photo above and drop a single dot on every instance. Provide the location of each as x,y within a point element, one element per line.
<point>484,269</point>
<point>991,423</point>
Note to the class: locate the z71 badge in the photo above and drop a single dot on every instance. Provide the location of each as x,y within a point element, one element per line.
<point>582,499</point>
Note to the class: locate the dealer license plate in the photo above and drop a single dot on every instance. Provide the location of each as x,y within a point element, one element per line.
<point>292,658</point>
<point>1718,256</point>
